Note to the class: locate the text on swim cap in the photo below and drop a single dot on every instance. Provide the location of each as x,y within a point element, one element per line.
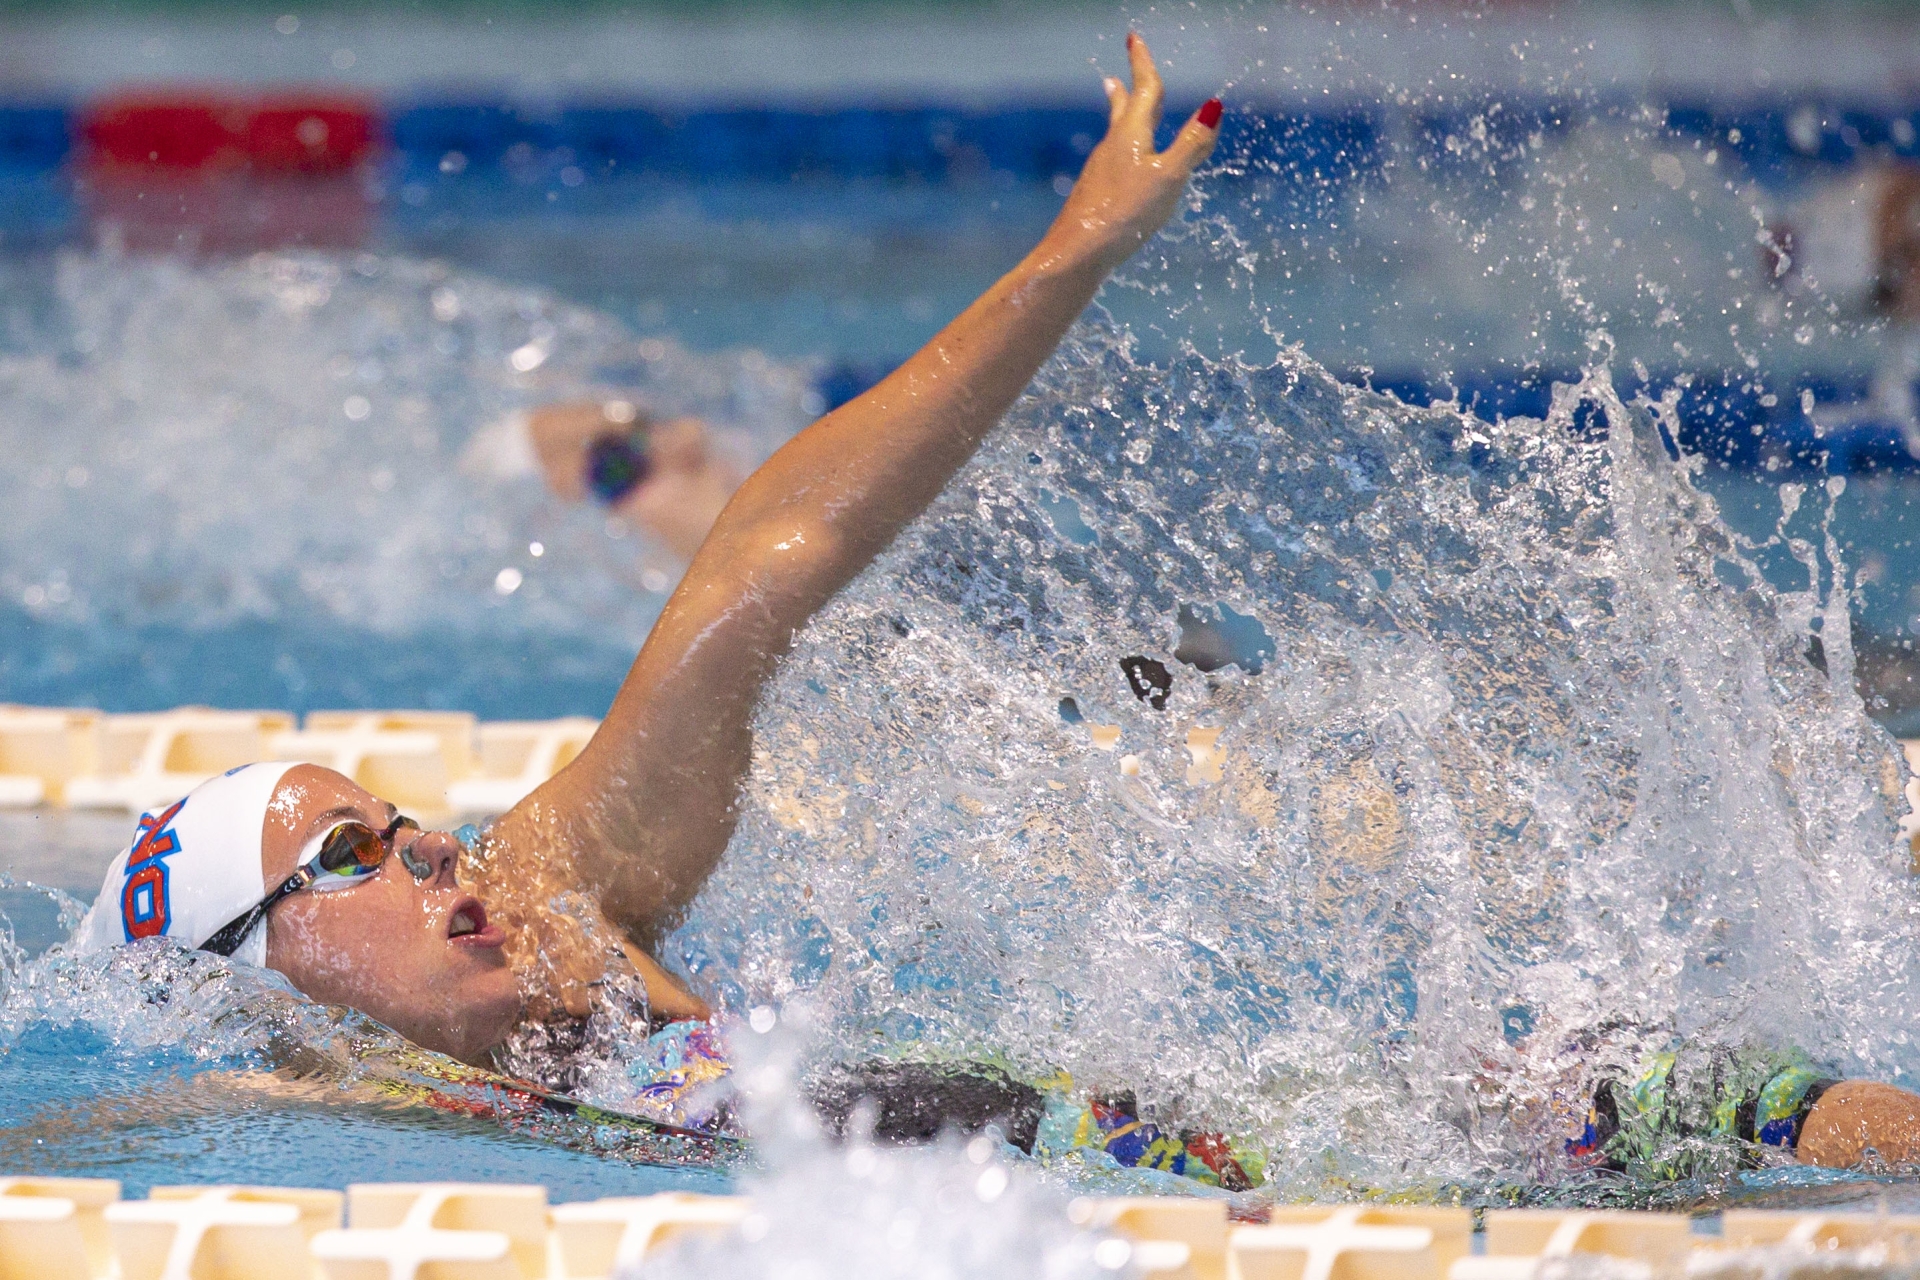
<point>143,900</point>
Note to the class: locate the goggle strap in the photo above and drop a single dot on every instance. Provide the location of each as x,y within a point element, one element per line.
<point>228,939</point>
<point>230,936</point>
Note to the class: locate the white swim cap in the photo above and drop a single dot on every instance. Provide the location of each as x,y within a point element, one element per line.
<point>191,869</point>
<point>502,450</point>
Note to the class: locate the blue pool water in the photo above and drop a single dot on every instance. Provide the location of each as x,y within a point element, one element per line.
<point>158,1118</point>
<point>1533,742</point>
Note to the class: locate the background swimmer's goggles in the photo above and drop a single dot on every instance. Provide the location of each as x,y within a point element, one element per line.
<point>618,463</point>
<point>349,852</point>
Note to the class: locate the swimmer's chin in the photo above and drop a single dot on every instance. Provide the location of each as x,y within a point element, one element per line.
<point>482,1022</point>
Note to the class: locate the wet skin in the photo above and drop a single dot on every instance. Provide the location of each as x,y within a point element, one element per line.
<point>1858,1116</point>
<point>419,955</point>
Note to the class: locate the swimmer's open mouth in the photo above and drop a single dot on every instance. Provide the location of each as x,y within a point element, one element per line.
<point>468,923</point>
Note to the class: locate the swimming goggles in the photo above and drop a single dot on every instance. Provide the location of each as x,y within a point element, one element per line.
<point>349,852</point>
<point>617,464</point>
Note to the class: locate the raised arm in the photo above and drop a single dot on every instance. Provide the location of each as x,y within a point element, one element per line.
<point>648,808</point>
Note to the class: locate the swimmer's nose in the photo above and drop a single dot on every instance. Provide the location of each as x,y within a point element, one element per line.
<point>437,853</point>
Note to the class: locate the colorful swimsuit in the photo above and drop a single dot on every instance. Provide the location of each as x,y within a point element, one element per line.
<point>1111,1124</point>
<point>1697,1108</point>
<point>675,1081</point>
<point>673,1076</point>
<point>1689,1112</point>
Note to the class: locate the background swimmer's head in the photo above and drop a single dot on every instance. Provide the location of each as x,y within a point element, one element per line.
<point>394,947</point>
<point>683,482</point>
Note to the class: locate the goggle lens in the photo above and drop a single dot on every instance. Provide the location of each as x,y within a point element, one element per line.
<point>354,850</point>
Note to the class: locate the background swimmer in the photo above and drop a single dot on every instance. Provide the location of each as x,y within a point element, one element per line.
<point>665,475</point>
<point>1856,243</point>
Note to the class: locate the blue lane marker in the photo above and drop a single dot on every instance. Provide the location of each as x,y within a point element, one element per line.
<point>1308,158</point>
<point>1778,139</point>
<point>930,143</point>
<point>1492,139</point>
<point>1717,413</point>
<point>845,379</point>
<point>1718,416</point>
<point>36,202</point>
<point>34,137</point>
<point>1783,142</point>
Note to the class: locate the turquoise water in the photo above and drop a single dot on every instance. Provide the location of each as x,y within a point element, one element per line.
<point>1418,842</point>
<point>155,1074</point>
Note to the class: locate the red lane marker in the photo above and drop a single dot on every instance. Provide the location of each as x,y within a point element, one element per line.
<point>165,135</point>
<point>201,131</point>
<point>310,137</point>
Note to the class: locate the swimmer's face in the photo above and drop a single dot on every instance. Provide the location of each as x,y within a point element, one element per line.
<point>418,955</point>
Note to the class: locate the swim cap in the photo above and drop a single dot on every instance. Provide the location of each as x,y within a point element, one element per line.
<point>191,868</point>
<point>502,450</point>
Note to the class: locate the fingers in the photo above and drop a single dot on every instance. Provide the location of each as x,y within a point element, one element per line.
<point>1142,108</point>
<point>1194,142</point>
<point>1143,104</point>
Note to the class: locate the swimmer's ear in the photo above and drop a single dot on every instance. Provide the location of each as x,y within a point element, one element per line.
<point>1116,99</point>
<point>1194,142</point>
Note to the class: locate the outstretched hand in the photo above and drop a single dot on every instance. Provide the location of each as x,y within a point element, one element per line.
<point>1127,190</point>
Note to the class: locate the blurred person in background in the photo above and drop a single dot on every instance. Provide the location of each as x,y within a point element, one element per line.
<point>1854,243</point>
<point>668,476</point>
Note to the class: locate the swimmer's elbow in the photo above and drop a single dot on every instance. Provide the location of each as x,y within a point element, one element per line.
<point>787,563</point>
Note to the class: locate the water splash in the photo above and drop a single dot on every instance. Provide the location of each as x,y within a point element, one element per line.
<point>1525,752</point>
<point>1538,752</point>
<point>823,1209</point>
<point>132,1058</point>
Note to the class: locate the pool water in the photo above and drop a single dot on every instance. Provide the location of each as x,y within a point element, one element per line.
<point>1519,740</point>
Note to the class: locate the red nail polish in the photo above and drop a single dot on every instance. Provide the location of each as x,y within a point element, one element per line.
<point>1210,113</point>
<point>1131,37</point>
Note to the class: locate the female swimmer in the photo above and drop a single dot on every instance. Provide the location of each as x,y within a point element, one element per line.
<point>296,868</point>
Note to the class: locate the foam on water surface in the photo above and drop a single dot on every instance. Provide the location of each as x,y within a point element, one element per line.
<point>824,1209</point>
<point>153,1066</point>
<point>1342,775</point>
